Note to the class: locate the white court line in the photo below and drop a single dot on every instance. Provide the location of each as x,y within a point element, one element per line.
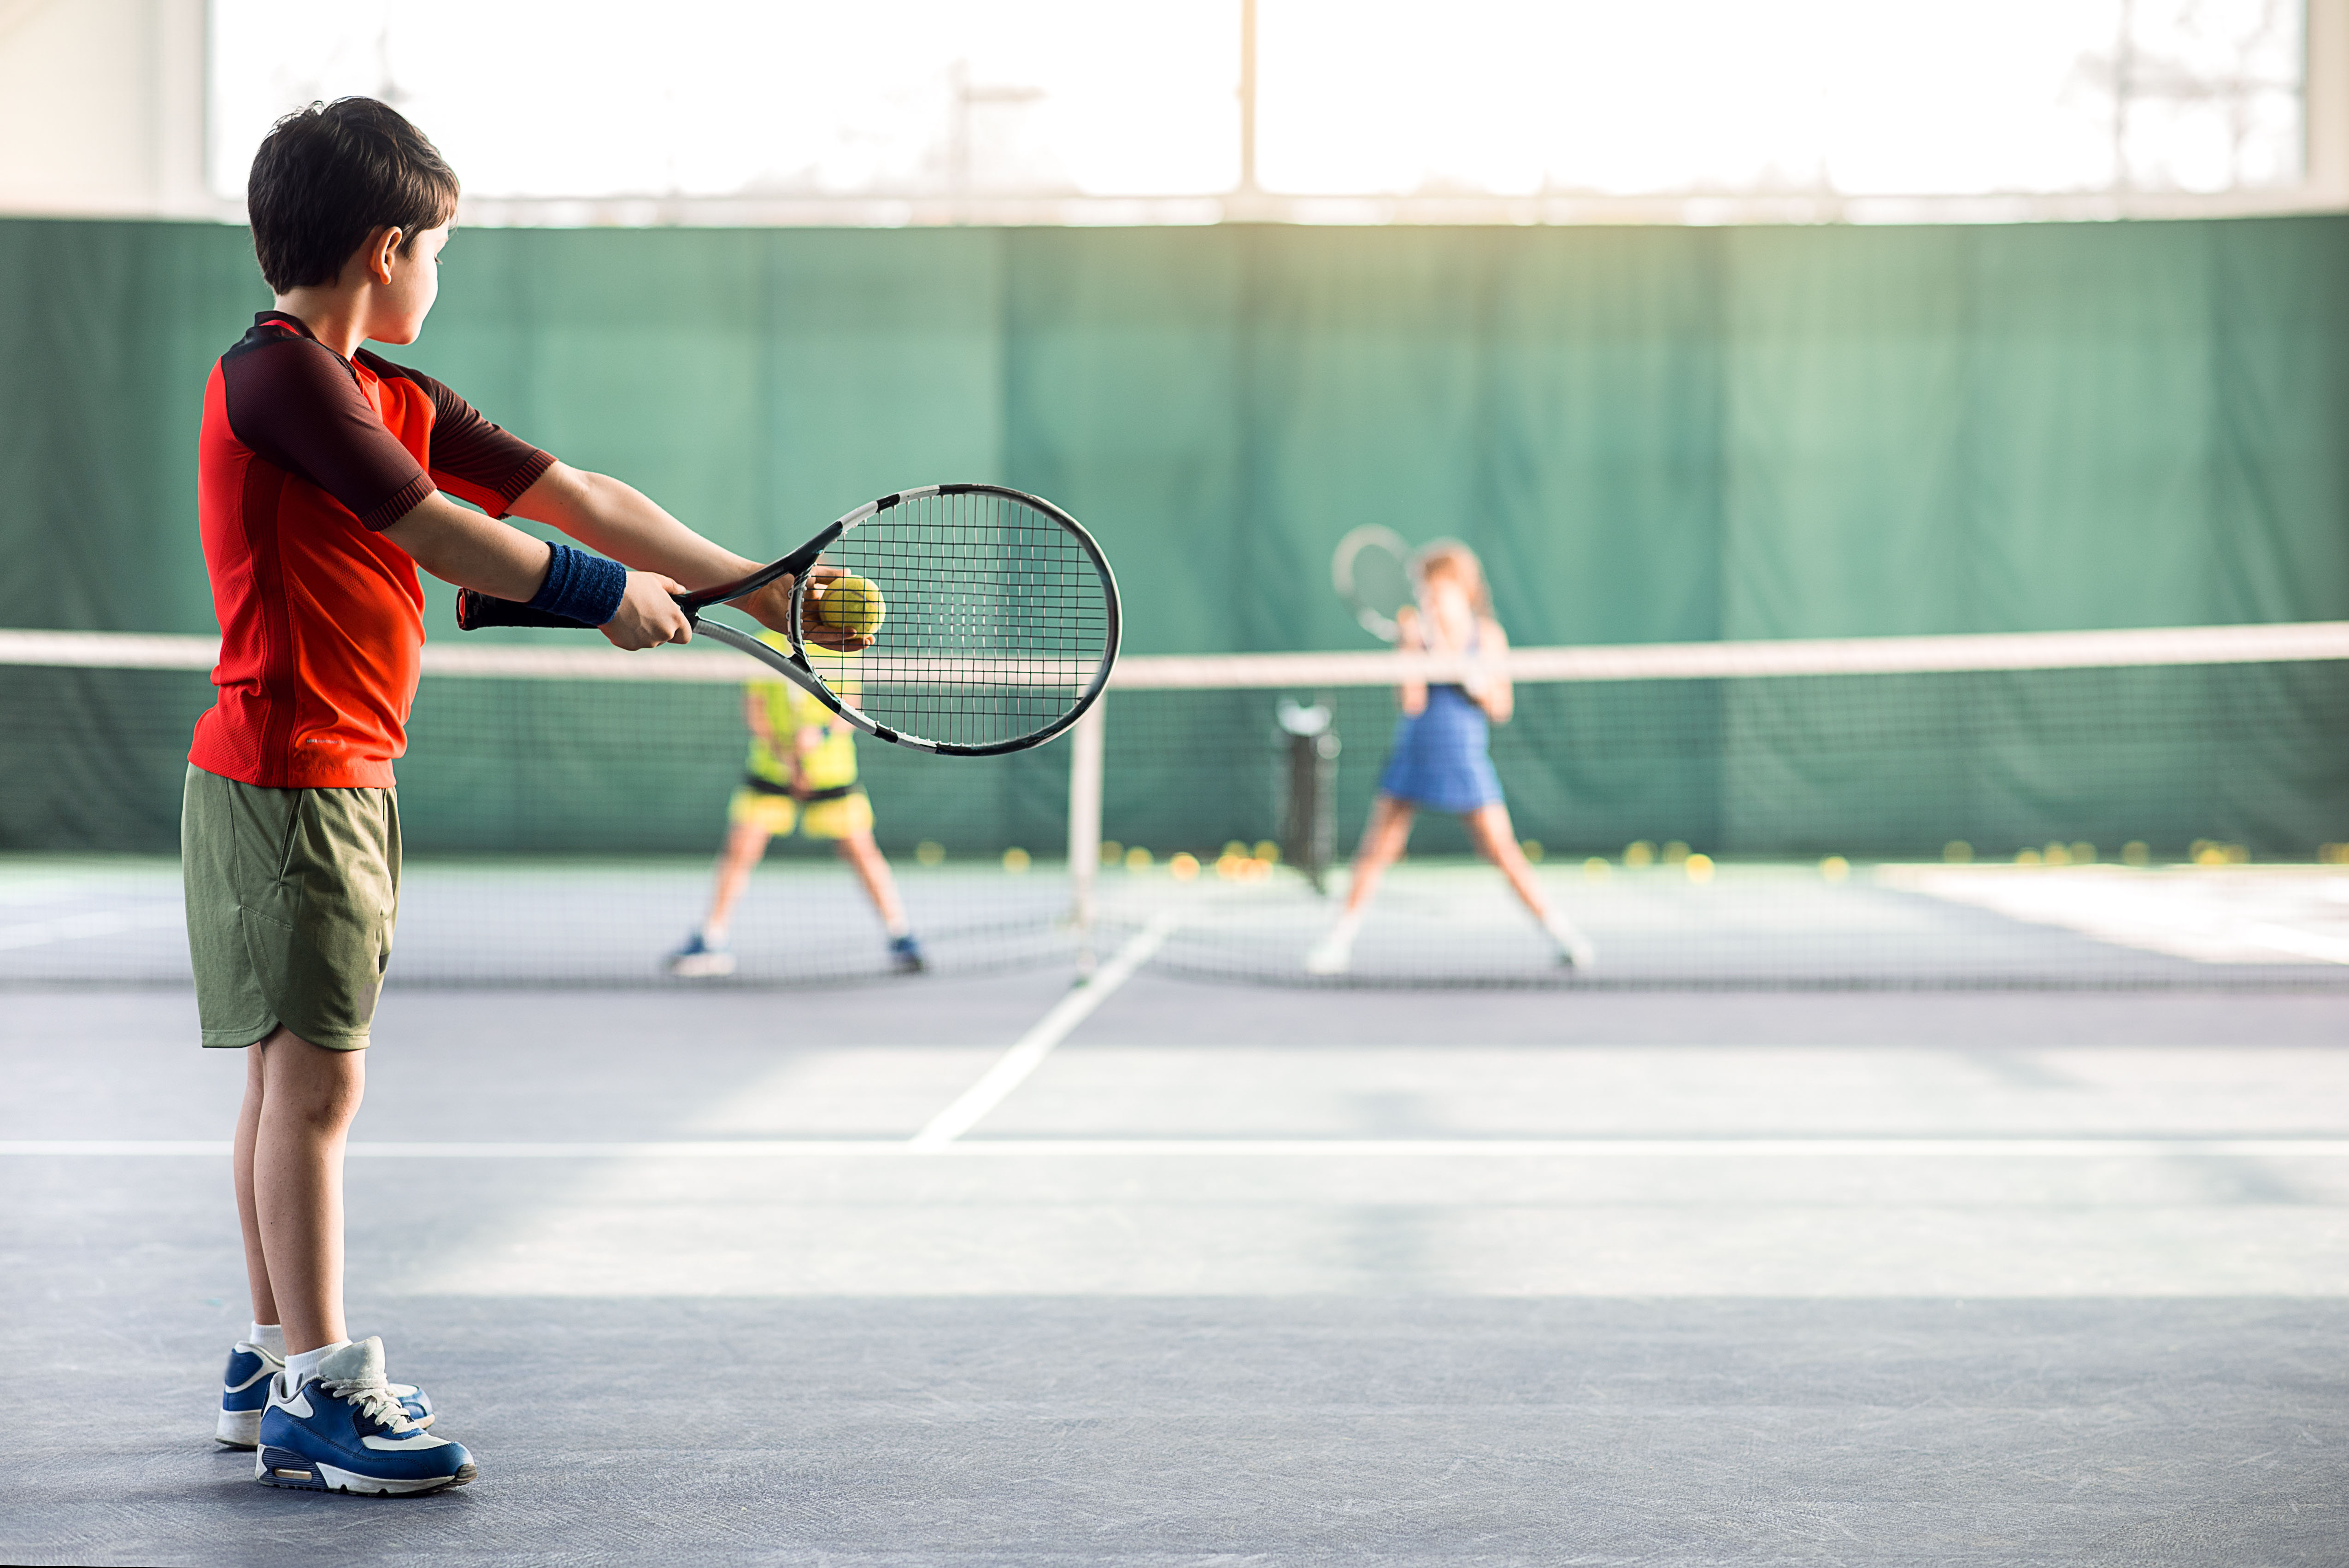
<point>97,922</point>
<point>1029,1050</point>
<point>1284,1149</point>
<point>2306,944</point>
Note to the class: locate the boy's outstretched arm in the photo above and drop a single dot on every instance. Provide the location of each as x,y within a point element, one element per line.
<point>622,522</point>
<point>460,545</point>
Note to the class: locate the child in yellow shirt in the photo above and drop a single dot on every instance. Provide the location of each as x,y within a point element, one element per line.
<point>802,772</point>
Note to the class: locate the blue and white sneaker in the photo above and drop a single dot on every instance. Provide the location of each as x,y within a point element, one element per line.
<point>699,960</point>
<point>905,955</point>
<point>344,1430</point>
<point>245,1390</point>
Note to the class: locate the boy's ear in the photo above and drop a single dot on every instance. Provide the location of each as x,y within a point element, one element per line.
<point>376,255</point>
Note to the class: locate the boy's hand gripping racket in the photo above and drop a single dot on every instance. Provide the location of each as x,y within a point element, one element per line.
<point>992,618</point>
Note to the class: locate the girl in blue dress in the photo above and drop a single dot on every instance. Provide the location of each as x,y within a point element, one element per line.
<point>1440,761</point>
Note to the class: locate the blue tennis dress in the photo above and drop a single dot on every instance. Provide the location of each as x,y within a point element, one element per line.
<point>1439,759</point>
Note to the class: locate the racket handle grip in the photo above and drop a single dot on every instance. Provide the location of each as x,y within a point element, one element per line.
<point>475,610</point>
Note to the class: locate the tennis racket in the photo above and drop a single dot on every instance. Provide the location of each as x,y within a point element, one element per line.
<point>1371,572</point>
<point>995,626</point>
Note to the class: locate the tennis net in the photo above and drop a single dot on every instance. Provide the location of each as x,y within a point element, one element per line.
<point>2162,807</point>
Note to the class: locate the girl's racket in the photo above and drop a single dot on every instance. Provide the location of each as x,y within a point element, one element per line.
<point>1371,572</point>
<point>993,616</point>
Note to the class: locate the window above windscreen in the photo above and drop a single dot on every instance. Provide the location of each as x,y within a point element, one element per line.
<point>1845,96</point>
<point>917,99</point>
<point>1185,110</point>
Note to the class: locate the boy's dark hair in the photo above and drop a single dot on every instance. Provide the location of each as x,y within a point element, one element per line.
<point>329,173</point>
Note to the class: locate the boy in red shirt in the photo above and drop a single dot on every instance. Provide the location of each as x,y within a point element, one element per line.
<point>324,477</point>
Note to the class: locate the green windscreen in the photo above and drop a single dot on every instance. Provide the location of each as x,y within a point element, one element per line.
<point>1649,435</point>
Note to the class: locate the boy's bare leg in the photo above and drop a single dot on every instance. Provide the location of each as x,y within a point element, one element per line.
<point>248,1211</point>
<point>299,1102</point>
<point>746,846</point>
<point>872,869</point>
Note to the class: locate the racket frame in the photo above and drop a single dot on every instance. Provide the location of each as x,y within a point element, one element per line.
<point>1377,622</point>
<point>793,665</point>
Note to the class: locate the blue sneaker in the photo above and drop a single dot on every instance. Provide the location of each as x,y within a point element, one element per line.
<point>698,960</point>
<point>344,1430</point>
<point>905,955</point>
<point>245,1391</point>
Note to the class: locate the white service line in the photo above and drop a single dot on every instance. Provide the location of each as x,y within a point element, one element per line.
<point>1028,1052</point>
<point>2306,944</point>
<point>96,922</point>
<point>1283,1149</point>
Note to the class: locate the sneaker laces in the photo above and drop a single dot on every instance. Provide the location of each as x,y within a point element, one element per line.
<point>374,1399</point>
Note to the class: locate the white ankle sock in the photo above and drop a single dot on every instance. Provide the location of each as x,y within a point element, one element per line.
<point>306,1364</point>
<point>269,1337</point>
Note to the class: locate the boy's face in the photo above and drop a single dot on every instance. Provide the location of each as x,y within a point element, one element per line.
<point>408,283</point>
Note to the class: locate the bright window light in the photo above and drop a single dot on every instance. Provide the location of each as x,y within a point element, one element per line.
<point>986,99</point>
<point>718,98</point>
<point>1843,97</point>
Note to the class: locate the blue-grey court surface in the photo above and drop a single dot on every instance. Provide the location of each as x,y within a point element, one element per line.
<point>1235,1274</point>
<point>115,919</point>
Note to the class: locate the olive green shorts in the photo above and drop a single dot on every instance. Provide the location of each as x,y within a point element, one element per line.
<point>291,896</point>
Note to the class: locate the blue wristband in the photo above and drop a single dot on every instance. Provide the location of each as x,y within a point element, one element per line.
<point>581,587</point>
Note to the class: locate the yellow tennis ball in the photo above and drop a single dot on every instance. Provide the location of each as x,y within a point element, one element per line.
<point>852,604</point>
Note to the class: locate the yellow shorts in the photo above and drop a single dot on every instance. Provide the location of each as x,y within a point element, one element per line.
<point>775,814</point>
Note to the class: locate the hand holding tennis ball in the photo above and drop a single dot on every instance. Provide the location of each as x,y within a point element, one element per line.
<point>852,605</point>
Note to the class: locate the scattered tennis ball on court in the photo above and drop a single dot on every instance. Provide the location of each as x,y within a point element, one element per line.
<point>1183,867</point>
<point>1699,867</point>
<point>1137,859</point>
<point>1835,868</point>
<point>1958,852</point>
<point>852,604</point>
<point>1015,860</point>
<point>929,852</point>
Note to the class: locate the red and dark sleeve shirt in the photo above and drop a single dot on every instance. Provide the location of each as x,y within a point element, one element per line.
<point>304,458</point>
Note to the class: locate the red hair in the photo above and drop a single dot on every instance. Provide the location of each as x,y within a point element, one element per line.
<point>1451,555</point>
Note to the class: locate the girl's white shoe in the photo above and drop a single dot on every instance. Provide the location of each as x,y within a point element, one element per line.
<point>1574,949</point>
<point>1334,954</point>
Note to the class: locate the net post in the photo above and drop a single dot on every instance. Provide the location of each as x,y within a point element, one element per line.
<point>1084,828</point>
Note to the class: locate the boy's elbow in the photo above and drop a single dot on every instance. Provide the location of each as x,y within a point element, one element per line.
<point>563,495</point>
<point>574,488</point>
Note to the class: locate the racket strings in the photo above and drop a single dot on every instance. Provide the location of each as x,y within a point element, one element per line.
<point>995,620</point>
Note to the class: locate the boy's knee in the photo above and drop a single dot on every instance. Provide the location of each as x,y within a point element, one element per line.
<point>310,1083</point>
